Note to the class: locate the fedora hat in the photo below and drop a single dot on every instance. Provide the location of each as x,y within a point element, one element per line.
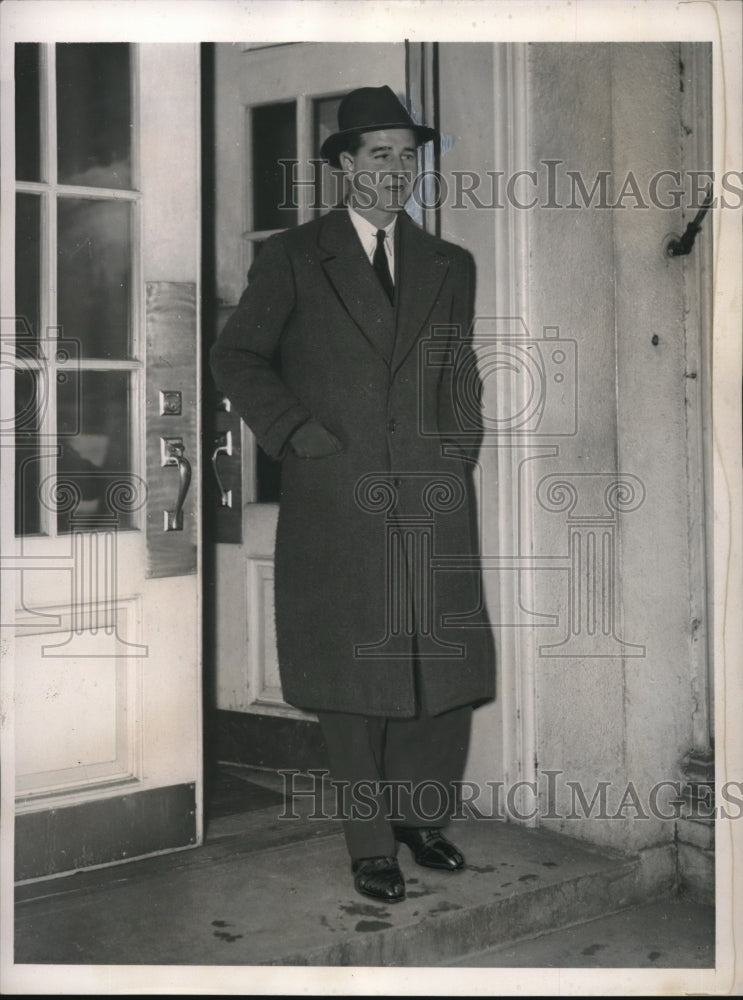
<point>370,109</point>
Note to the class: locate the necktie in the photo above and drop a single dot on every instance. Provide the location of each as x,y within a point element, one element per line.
<point>381,265</point>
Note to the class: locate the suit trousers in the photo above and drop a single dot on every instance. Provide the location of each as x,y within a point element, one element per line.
<point>394,772</point>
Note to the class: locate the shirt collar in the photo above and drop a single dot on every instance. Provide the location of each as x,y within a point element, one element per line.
<point>366,230</point>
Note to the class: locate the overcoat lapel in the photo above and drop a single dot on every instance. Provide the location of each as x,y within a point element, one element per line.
<point>354,282</point>
<point>421,268</point>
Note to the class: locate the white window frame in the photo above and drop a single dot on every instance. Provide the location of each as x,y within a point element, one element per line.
<point>49,192</point>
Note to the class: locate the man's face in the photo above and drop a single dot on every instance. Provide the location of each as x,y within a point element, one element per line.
<point>382,170</point>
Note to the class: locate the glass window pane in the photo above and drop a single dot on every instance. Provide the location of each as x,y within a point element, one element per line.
<point>328,182</point>
<point>28,402</point>
<point>27,112</point>
<point>28,267</point>
<point>93,422</point>
<point>94,275</point>
<point>274,133</point>
<point>94,114</point>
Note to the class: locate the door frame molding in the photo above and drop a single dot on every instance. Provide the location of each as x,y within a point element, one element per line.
<point>8,543</point>
<point>698,272</point>
<point>517,645</point>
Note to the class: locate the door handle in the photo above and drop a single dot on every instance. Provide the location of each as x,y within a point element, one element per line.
<point>223,443</point>
<point>172,452</point>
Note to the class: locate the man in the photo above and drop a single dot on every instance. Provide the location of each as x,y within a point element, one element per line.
<point>389,649</point>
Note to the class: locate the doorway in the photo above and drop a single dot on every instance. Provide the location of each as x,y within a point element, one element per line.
<point>273,107</point>
<point>285,94</point>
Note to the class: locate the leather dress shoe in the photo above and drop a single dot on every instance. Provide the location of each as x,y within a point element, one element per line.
<point>431,848</point>
<point>380,878</point>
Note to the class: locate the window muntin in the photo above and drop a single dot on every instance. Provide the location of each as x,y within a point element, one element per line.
<point>324,124</point>
<point>77,224</point>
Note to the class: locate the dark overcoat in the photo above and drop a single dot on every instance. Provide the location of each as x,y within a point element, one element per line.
<point>376,548</point>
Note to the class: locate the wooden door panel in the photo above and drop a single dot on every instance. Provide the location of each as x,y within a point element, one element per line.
<point>107,620</point>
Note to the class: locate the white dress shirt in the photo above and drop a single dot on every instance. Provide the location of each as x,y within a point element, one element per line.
<point>368,236</point>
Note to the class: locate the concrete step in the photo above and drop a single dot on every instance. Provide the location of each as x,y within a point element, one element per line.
<point>673,933</point>
<point>291,901</point>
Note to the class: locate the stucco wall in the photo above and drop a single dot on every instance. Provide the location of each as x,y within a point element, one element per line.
<point>607,713</point>
<point>602,274</point>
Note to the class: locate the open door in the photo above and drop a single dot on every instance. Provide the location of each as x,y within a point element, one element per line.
<point>101,329</point>
<point>273,103</point>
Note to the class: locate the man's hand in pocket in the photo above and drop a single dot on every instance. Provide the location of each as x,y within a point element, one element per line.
<point>312,440</point>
